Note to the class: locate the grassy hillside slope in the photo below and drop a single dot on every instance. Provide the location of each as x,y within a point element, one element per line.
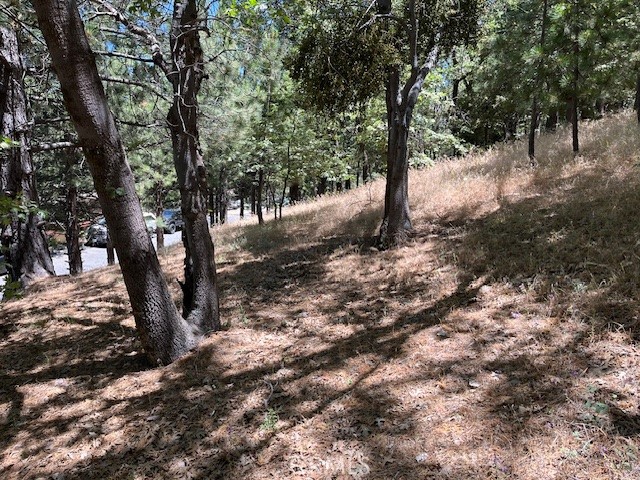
<point>502,342</point>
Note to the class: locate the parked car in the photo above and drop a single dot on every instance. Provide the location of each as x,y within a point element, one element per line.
<point>150,221</point>
<point>172,220</point>
<point>96,235</point>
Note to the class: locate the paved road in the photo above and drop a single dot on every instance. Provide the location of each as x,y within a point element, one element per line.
<point>94,257</point>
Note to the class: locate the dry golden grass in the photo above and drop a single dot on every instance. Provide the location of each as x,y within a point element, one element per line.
<point>502,342</point>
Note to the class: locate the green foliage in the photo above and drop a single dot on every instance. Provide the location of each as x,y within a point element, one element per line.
<point>513,62</point>
<point>270,421</point>
<point>16,209</point>
<point>7,143</point>
<point>342,55</point>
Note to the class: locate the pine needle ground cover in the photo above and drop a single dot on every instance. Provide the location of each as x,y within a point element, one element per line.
<point>501,342</point>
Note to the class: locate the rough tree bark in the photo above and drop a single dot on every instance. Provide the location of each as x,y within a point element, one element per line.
<point>165,335</point>
<point>24,239</point>
<point>396,224</point>
<point>201,306</point>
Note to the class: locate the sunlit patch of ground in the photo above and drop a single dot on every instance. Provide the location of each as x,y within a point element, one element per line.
<point>502,342</point>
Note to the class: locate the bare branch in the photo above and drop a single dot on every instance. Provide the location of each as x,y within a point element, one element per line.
<point>126,81</point>
<point>47,147</point>
<point>141,125</point>
<point>124,55</point>
<point>146,35</point>
<point>47,121</point>
<point>22,24</point>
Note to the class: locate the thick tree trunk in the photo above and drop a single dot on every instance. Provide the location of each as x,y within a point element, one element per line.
<point>322,186</point>
<point>396,224</point>
<point>294,192</point>
<point>164,334</point>
<point>201,306</point>
<point>552,121</point>
<point>24,240</point>
<point>241,206</point>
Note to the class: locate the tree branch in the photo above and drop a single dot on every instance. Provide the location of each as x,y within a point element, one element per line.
<point>125,81</point>
<point>148,36</point>
<point>124,55</point>
<point>47,147</point>
<point>141,125</point>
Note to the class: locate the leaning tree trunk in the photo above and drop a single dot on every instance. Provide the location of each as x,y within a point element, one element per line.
<point>164,334</point>
<point>200,289</point>
<point>27,252</point>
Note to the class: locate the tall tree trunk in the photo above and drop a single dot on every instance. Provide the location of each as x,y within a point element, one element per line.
<point>396,224</point>
<point>574,84</point>
<point>27,252</point>
<point>72,230</point>
<point>575,141</point>
<point>535,101</point>
<point>222,195</point>
<point>259,196</point>
<point>164,334</point>
<point>322,186</point>
<point>201,305</point>
<point>365,168</point>
<point>294,192</point>
<point>552,121</point>
<point>253,198</point>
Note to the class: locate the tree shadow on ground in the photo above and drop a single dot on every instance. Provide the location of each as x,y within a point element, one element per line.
<point>377,379</point>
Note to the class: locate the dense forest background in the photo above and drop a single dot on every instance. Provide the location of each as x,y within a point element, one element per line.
<point>293,104</point>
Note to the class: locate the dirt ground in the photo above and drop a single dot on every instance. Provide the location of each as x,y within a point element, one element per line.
<point>500,343</point>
